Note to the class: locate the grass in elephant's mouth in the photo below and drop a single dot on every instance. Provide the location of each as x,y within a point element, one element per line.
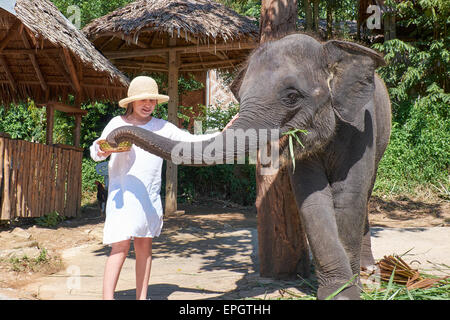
<point>293,134</point>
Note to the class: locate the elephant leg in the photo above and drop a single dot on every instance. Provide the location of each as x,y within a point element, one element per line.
<point>351,210</point>
<point>350,191</point>
<point>314,199</point>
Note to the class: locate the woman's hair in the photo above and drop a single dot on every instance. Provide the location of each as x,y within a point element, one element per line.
<point>129,109</point>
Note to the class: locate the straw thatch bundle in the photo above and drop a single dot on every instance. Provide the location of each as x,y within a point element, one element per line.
<point>202,19</point>
<point>44,57</point>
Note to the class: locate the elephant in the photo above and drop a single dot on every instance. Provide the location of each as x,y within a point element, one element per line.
<point>331,91</point>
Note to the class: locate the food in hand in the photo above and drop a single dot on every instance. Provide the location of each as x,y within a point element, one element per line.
<point>122,147</point>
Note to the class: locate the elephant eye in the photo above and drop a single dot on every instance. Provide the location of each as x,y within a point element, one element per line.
<point>291,98</point>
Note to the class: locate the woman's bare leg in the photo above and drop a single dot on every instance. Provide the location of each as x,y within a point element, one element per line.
<point>113,267</point>
<point>143,250</point>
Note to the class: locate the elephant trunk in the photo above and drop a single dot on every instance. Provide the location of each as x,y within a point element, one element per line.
<point>230,145</point>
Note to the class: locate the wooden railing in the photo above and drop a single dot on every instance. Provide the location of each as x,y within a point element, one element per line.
<point>37,179</point>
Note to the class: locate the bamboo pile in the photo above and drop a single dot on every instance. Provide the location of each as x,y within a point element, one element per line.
<point>404,274</point>
<point>37,179</point>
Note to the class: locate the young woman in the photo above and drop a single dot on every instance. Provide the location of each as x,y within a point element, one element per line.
<point>134,209</point>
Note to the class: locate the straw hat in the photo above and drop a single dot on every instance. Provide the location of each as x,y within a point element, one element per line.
<point>142,88</point>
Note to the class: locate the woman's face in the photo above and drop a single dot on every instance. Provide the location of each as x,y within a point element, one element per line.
<point>144,108</point>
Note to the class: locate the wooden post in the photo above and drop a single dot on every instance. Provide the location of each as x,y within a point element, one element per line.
<point>171,169</point>
<point>5,213</point>
<point>2,150</point>
<point>77,130</point>
<point>50,120</point>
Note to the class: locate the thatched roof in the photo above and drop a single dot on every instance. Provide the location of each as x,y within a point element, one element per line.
<point>136,35</point>
<point>45,57</point>
<point>201,19</point>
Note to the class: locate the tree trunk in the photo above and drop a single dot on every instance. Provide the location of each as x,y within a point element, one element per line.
<point>172,169</point>
<point>278,18</point>
<point>329,20</point>
<point>316,15</point>
<point>389,26</point>
<point>282,246</point>
<point>308,14</point>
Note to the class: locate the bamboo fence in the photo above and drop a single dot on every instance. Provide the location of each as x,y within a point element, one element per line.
<point>37,179</point>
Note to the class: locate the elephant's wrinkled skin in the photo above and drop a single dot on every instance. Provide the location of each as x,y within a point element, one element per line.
<point>332,91</point>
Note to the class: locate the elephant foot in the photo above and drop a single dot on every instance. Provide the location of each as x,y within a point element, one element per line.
<point>367,262</point>
<point>370,269</point>
<point>368,266</point>
<point>350,293</point>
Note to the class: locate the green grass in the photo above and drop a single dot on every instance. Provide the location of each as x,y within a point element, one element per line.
<point>393,291</point>
<point>50,220</point>
<point>384,291</point>
<point>29,264</point>
<point>389,291</point>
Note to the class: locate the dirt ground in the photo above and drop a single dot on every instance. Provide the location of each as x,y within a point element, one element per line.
<point>29,252</point>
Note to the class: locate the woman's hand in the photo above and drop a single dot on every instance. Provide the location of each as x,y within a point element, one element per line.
<point>101,153</point>
<point>231,121</point>
<point>104,154</point>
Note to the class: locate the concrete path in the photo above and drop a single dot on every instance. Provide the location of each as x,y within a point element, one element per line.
<point>194,263</point>
<point>425,248</point>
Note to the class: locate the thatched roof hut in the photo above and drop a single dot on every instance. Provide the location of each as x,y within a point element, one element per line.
<point>44,57</point>
<point>206,34</point>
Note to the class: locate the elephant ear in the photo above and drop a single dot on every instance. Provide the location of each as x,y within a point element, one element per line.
<point>351,78</point>
<point>235,86</point>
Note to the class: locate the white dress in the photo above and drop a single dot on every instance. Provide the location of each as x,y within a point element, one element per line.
<point>134,207</point>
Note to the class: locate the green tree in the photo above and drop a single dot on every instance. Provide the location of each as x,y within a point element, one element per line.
<point>90,9</point>
<point>417,76</point>
<point>23,121</point>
